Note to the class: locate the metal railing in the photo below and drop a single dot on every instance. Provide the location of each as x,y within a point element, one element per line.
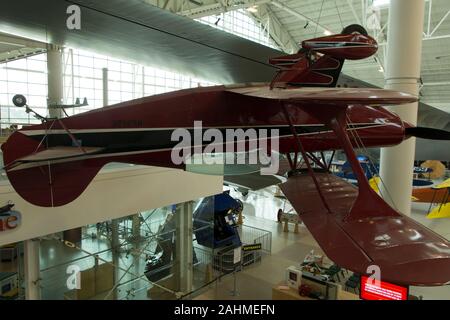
<point>252,235</point>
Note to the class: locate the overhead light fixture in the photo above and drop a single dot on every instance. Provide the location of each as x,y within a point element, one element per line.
<point>381,4</point>
<point>327,32</point>
<point>252,9</point>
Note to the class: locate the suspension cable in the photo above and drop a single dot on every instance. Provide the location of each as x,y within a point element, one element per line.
<point>318,19</point>
<point>360,145</point>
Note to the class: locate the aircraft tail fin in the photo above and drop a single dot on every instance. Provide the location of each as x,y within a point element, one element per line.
<point>44,176</point>
<point>54,184</point>
<point>319,62</point>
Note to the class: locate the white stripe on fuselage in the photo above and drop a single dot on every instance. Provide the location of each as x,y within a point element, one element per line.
<point>114,130</point>
<point>118,154</point>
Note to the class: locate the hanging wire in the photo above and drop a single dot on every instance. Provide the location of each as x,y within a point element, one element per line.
<point>360,145</point>
<point>318,19</point>
<point>339,14</point>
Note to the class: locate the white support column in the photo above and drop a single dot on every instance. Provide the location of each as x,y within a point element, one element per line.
<point>105,86</point>
<point>55,79</point>
<point>183,271</point>
<point>404,56</point>
<point>32,269</point>
<point>115,252</point>
<point>136,228</point>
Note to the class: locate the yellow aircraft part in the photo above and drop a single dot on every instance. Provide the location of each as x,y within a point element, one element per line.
<point>440,211</point>
<point>375,182</point>
<point>443,185</point>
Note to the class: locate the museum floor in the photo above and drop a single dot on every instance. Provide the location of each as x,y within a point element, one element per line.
<point>254,282</point>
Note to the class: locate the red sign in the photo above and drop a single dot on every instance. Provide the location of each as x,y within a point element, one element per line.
<point>380,290</point>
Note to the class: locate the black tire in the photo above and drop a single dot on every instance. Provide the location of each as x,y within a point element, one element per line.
<point>354,28</point>
<point>19,100</point>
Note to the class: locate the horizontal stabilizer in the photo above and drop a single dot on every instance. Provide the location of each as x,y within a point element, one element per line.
<point>406,252</point>
<point>50,155</point>
<point>59,153</point>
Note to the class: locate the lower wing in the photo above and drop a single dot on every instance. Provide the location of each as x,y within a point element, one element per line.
<point>405,251</point>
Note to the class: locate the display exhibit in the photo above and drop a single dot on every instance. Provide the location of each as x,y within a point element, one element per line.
<point>218,168</point>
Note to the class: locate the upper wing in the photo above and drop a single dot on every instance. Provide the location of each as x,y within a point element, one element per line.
<point>329,96</point>
<point>405,251</point>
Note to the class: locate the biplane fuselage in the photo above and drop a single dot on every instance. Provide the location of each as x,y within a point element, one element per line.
<point>146,125</point>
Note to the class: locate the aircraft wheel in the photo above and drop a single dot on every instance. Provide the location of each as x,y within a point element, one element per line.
<point>354,28</point>
<point>19,100</point>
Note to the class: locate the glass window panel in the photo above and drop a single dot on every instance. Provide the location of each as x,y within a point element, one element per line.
<point>113,86</point>
<point>3,74</point>
<point>37,65</point>
<point>126,96</point>
<point>36,89</point>
<point>127,87</point>
<point>88,93</point>
<point>17,75</point>
<point>126,67</point>
<point>114,96</point>
<point>114,65</point>
<point>86,72</point>
<point>86,61</point>
<point>4,100</point>
<point>40,57</point>
<point>3,87</point>
<point>149,90</point>
<point>37,101</point>
<point>100,63</point>
<point>98,73</point>
<point>127,77</point>
<point>87,83</point>
<point>170,83</point>
<point>98,84</point>
<point>19,64</point>
<point>114,75</point>
<point>17,87</point>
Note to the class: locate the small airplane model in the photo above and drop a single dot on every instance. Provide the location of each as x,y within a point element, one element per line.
<point>51,164</point>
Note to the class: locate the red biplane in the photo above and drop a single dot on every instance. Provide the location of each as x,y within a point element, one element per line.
<point>51,164</point>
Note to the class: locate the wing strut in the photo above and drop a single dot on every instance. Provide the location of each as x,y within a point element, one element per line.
<point>368,204</point>
<point>305,157</point>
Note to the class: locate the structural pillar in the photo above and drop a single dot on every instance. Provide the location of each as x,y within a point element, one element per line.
<point>403,65</point>
<point>32,270</point>
<point>136,228</point>
<point>183,271</point>
<point>105,86</point>
<point>55,80</point>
